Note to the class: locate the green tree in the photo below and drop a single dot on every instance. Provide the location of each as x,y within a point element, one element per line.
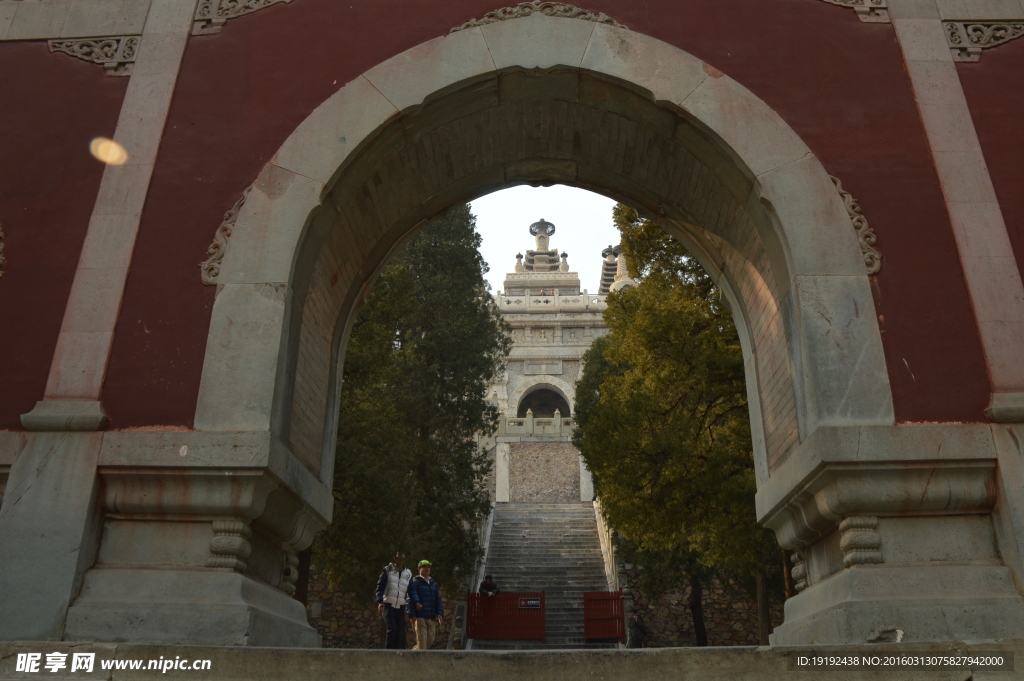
<point>662,416</point>
<point>408,474</point>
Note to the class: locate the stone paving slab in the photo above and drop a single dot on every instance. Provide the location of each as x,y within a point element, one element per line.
<point>684,664</point>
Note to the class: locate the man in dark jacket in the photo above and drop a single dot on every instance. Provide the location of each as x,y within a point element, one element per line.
<point>392,586</point>
<point>489,587</point>
<point>636,632</point>
<point>425,609</point>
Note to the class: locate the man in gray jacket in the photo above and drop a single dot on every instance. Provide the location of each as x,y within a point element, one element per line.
<point>392,599</point>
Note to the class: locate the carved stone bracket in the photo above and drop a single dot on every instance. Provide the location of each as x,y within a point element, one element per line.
<point>549,9</point>
<point>967,39</point>
<point>211,15</point>
<point>230,546</point>
<point>115,53</point>
<point>860,541</point>
<point>873,11</point>
<point>215,253</point>
<point>866,236</point>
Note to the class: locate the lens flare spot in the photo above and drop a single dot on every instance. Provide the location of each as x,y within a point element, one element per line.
<point>108,151</point>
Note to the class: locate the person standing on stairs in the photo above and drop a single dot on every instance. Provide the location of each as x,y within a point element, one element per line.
<point>425,608</point>
<point>392,599</point>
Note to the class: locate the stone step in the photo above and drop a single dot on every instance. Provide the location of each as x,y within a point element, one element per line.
<point>554,548</point>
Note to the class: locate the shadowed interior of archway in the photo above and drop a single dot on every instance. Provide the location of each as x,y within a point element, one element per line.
<point>543,404</point>
<point>537,127</point>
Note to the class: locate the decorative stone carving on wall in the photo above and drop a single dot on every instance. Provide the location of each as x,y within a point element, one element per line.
<point>549,9</point>
<point>115,53</point>
<point>211,266</point>
<point>211,15</point>
<point>873,11</point>
<point>230,546</point>
<point>799,572</point>
<point>866,236</point>
<point>290,573</point>
<point>860,541</point>
<point>967,39</point>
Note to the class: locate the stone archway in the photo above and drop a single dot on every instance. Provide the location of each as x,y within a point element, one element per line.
<point>553,383</point>
<point>543,100</point>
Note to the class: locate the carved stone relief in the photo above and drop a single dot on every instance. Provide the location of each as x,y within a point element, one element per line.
<point>290,573</point>
<point>866,236</point>
<point>211,15</point>
<point>211,266</point>
<point>115,53</point>
<point>799,572</point>
<point>967,39</point>
<point>874,11</point>
<point>860,541</point>
<point>549,9</point>
<point>229,547</point>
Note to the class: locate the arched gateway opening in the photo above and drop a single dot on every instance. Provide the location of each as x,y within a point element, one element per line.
<point>541,101</point>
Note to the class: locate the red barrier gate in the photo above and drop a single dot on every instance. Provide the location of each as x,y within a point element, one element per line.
<point>602,615</point>
<point>506,616</point>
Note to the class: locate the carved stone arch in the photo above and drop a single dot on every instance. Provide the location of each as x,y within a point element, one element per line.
<point>534,383</point>
<point>543,100</point>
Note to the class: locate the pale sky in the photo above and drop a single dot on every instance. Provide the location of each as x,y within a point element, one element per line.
<point>583,228</point>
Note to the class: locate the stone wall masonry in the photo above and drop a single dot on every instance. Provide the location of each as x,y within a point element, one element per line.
<point>730,614</point>
<point>544,472</point>
<point>348,620</point>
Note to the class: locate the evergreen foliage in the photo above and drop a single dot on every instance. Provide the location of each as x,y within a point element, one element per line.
<point>408,475</point>
<point>663,422</point>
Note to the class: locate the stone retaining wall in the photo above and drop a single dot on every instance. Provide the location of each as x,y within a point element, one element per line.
<point>544,472</point>
<point>348,621</point>
<point>730,614</point>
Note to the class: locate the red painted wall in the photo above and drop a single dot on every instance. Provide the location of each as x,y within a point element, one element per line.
<point>995,93</point>
<point>51,105</point>
<point>839,82</point>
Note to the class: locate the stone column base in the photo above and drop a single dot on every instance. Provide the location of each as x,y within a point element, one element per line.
<point>198,606</point>
<point>879,603</point>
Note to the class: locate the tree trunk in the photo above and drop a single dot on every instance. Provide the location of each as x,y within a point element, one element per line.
<point>764,618</point>
<point>697,610</point>
<point>787,573</point>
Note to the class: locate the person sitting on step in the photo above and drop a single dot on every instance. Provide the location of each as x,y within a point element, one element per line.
<point>489,587</point>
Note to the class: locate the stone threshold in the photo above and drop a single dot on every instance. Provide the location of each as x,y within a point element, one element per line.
<point>733,663</point>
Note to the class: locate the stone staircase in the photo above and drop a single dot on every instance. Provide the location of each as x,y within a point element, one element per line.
<point>550,547</point>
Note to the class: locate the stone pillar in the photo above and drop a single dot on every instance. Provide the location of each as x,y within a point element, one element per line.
<point>171,537</point>
<point>990,269</point>
<point>49,529</point>
<point>586,482</point>
<point>201,533</point>
<point>501,466</point>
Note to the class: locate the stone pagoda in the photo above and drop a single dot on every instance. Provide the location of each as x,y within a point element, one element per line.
<point>553,323</point>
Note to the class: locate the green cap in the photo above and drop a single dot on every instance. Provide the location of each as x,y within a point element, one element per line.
<point>424,563</point>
